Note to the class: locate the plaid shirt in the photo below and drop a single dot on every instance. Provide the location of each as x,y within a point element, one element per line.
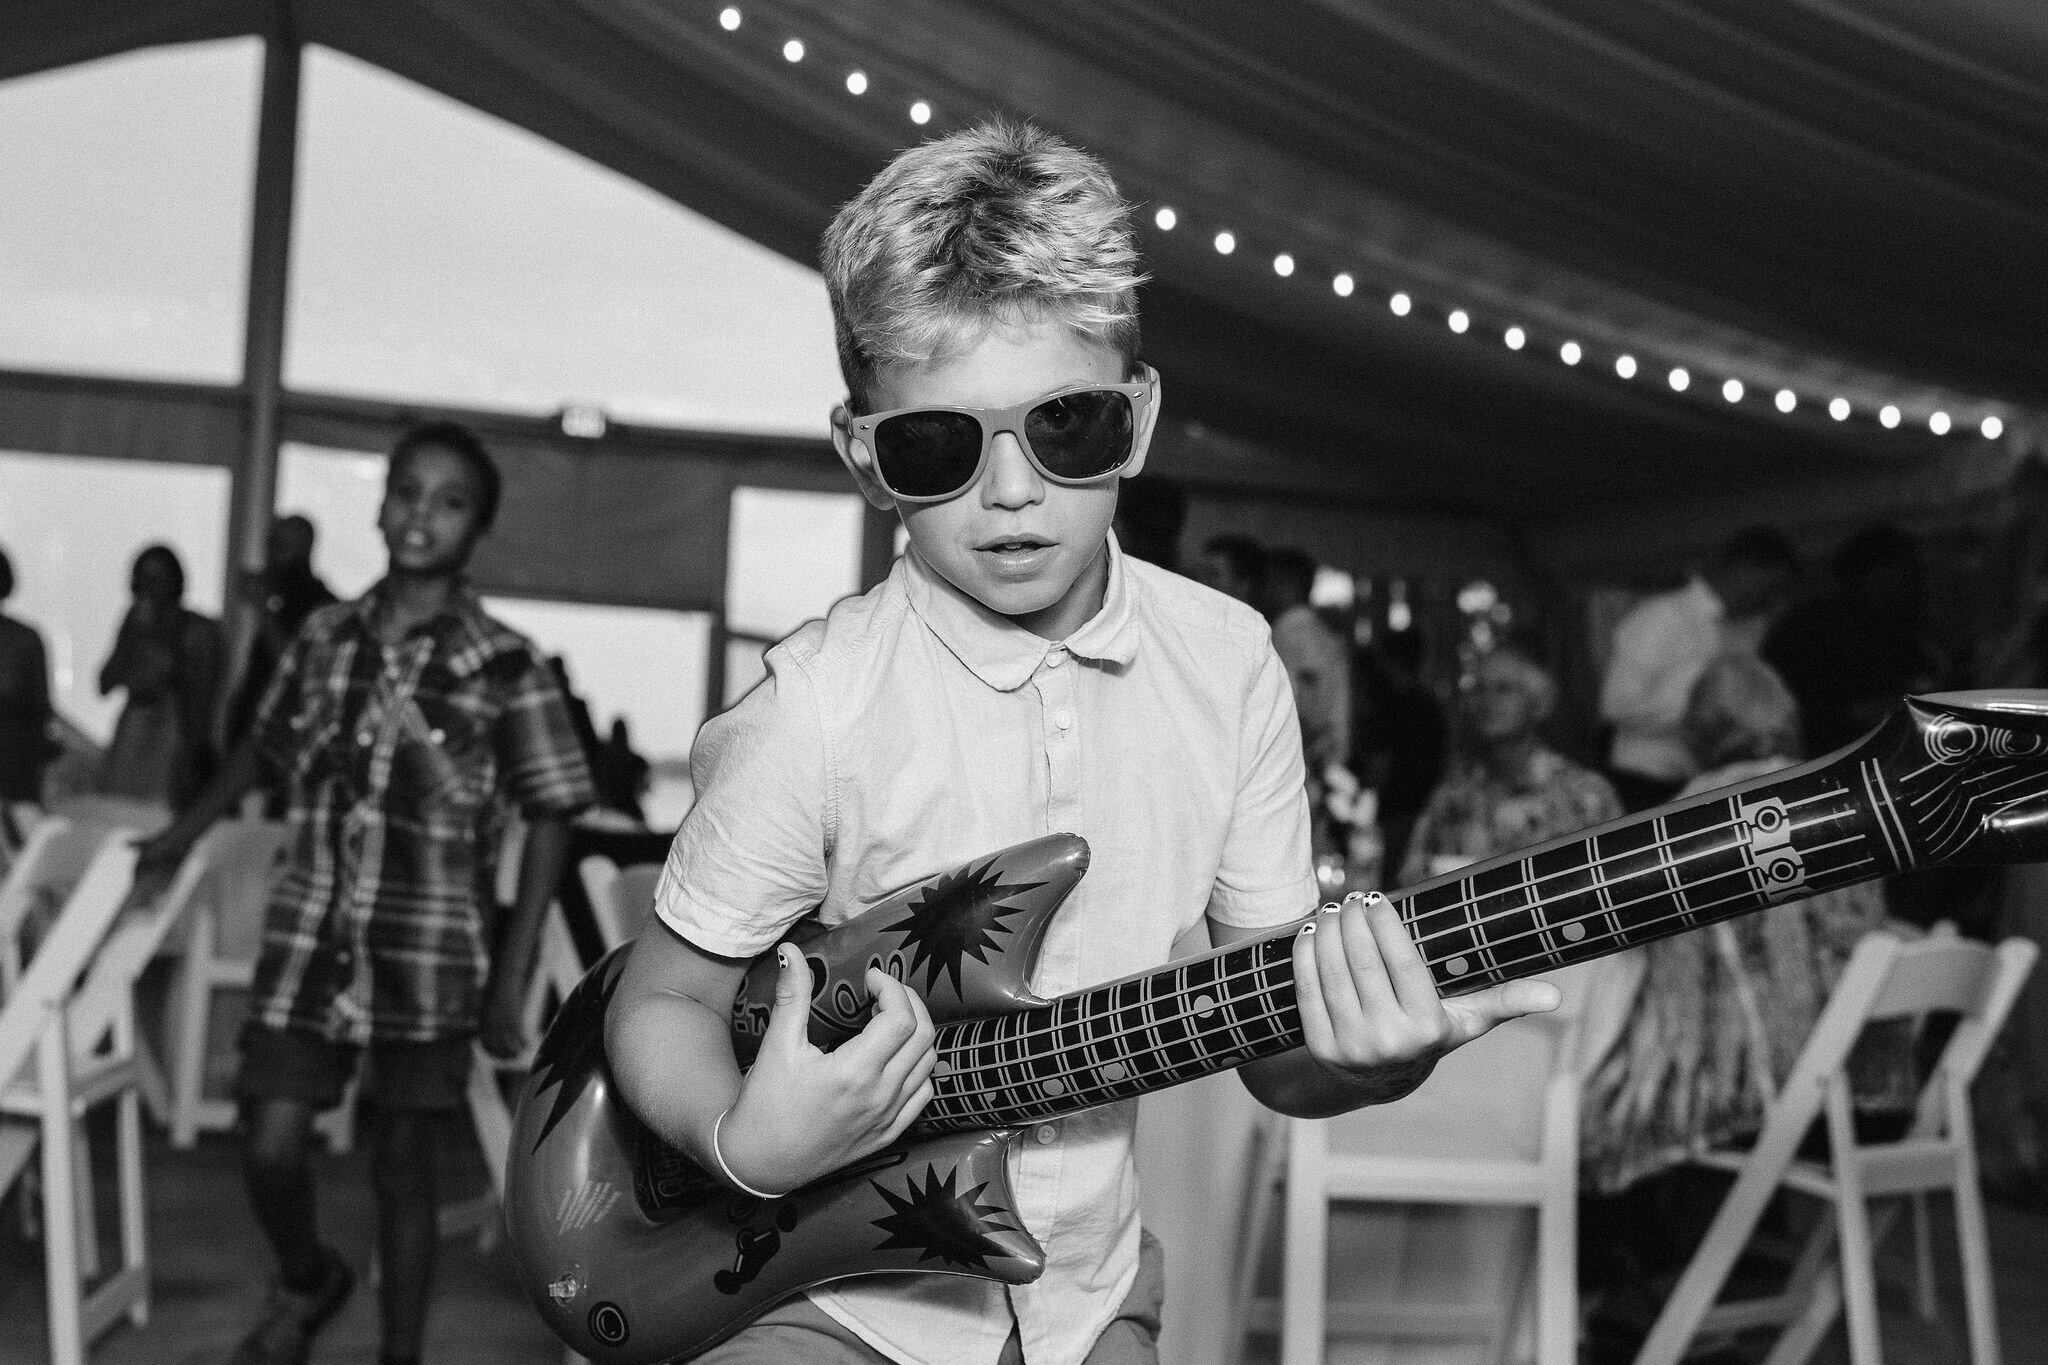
<point>401,762</point>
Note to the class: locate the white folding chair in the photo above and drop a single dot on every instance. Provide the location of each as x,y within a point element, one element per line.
<point>1885,979</point>
<point>1495,1127</point>
<point>222,890</point>
<point>49,864</point>
<point>621,898</point>
<point>73,1014</point>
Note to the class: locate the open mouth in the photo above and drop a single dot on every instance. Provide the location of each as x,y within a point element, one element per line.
<point>1016,545</point>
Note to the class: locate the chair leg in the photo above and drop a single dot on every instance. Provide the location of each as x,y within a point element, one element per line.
<point>1972,1236</point>
<point>63,1277</point>
<point>1852,1216</point>
<point>134,1214</point>
<point>1304,1260</point>
<point>193,1002</point>
<point>84,1200</point>
<point>1925,1303</point>
<point>1557,1294</point>
<point>1701,1283</point>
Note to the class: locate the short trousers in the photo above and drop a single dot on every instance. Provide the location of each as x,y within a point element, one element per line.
<point>800,1331</point>
<point>292,1064</point>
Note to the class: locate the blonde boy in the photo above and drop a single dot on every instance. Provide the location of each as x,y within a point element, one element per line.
<point>1015,675</point>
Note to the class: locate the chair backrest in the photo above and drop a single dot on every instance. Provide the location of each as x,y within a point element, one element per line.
<point>62,957</point>
<point>233,868</point>
<point>1889,978</point>
<point>621,898</point>
<point>50,864</point>
<point>233,863</point>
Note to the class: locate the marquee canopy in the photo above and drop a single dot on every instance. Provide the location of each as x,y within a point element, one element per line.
<point>1836,198</point>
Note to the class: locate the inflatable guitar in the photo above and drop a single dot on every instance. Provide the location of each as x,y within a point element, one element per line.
<point>633,1254</point>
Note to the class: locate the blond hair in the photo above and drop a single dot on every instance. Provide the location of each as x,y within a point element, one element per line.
<point>1740,709</point>
<point>997,223</point>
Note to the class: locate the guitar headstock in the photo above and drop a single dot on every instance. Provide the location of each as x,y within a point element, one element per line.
<point>1967,775</point>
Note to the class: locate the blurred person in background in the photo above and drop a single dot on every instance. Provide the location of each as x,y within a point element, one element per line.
<point>1399,733</point>
<point>1663,644</point>
<point>1851,653</point>
<point>1505,789</point>
<point>25,742</point>
<point>1234,565</point>
<point>169,659</point>
<point>1687,1037</point>
<point>282,594</point>
<point>1317,660</point>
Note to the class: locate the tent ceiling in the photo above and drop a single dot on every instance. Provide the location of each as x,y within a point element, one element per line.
<point>1844,195</point>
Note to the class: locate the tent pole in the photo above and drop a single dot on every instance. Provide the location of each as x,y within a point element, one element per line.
<point>255,481</point>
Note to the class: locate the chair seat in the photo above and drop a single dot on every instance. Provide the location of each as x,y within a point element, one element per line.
<point>92,1079</point>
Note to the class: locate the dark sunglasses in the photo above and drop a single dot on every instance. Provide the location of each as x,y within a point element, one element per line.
<point>1077,436</point>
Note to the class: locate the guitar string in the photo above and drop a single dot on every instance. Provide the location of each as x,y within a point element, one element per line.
<point>1266,1004</point>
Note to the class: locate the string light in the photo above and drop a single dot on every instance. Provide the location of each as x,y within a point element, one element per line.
<point>1515,338</point>
<point>728,18</point>
<point>856,82</point>
<point>1569,353</point>
<point>1937,422</point>
<point>1786,400</point>
<point>1459,320</point>
<point>1838,408</point>
<point>1342,285</point>
<point>1681,380</point>
<point>1283,265</point>
<point>1992,427</point>
<point>1889,415</point>
<point>1226,242</point>
<point>1625,366</point>
<point>1732,390</point>
<point>1400,304</point>
<point>1165,218</point>
<point>793,50</point>
<point>920,113</point>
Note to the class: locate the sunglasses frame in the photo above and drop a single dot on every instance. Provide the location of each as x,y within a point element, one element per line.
<point>1141,392</point>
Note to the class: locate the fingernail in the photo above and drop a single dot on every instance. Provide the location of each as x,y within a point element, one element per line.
<point>1308,928</point>
<point>782,956</point>
<point>1373,896</point>
<point>1357,896</point>
<point>1331,908</point>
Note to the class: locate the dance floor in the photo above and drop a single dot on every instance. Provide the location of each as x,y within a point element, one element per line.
<point>210,1268</point>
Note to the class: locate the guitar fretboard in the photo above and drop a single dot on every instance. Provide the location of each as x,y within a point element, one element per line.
<point>1725,854</point>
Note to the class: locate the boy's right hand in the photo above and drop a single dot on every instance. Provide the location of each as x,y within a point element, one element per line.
<point>803,1113</point>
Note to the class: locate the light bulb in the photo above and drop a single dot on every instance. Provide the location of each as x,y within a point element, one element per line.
<point>1343,285</point>
<point>1283,265</point>
<point>1786,400</point>
<point>1680,379</point>
<point>1226,242</point>
<point>728,18</point>
<point>920,113</point>
<point>1515,338</point>
<point>1937,422</point>
<point>1625,366</point>
<point>1569,353</point>
<point>1732,390</point>
<point>1165,219</point>
<point>793,50</point>
<point>1992,427</point>
<point>1838,408</point>
<point>1400,303</point>
<point>1459,320</point>
<point>1889,415</point>
<point>856,82</point>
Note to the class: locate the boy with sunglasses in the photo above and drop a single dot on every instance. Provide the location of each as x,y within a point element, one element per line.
<point>1015,675</point>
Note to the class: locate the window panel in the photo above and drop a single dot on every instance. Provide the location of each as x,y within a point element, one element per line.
<point>442,255</point>
<point>124,207</point>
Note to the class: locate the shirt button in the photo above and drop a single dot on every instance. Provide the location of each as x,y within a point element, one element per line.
<point>1047,1134</point>
<point>1063,718</point>
<point>1054,658</point>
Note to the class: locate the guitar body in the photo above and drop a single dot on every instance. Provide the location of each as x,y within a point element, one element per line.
<point>633,1254</point>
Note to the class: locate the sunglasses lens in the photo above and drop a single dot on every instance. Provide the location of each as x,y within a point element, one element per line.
<point>928,454</point>
<point>1083,435</point>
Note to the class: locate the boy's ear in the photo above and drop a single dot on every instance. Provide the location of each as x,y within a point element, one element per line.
<point>1145,425</point>
<point>858,461</point>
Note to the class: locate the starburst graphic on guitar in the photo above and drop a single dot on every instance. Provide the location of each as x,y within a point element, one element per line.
<point>940,1225</point>
<point>570,1055</point>
<point>960,914</point>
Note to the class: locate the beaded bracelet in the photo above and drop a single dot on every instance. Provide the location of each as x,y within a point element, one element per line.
<point>719,1157</point>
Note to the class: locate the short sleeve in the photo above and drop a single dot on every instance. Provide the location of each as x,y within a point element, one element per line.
<point>542,768</point>
<point>1266,876</point>
<point>749,859</point>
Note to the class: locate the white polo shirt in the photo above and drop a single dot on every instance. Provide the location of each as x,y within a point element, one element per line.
<point>913,730</point>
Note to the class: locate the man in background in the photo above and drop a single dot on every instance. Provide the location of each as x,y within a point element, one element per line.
<point>284,592</point>
<point>1663,645</point>
<point>1235,565</point>
<point>1317,660</point>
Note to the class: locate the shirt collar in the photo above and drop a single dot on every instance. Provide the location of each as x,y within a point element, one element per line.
<point>465,635</point>
<point>1002,653</point>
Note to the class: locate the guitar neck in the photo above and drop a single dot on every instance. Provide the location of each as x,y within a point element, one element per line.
<point>1826,824</point>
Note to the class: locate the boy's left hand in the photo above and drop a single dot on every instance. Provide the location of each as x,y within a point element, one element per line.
<point>1370,1010</point>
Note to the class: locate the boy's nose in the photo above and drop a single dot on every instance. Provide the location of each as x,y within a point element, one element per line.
<point>1011,480</point>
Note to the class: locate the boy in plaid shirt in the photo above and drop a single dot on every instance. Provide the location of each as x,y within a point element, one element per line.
<point>404,725</point>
